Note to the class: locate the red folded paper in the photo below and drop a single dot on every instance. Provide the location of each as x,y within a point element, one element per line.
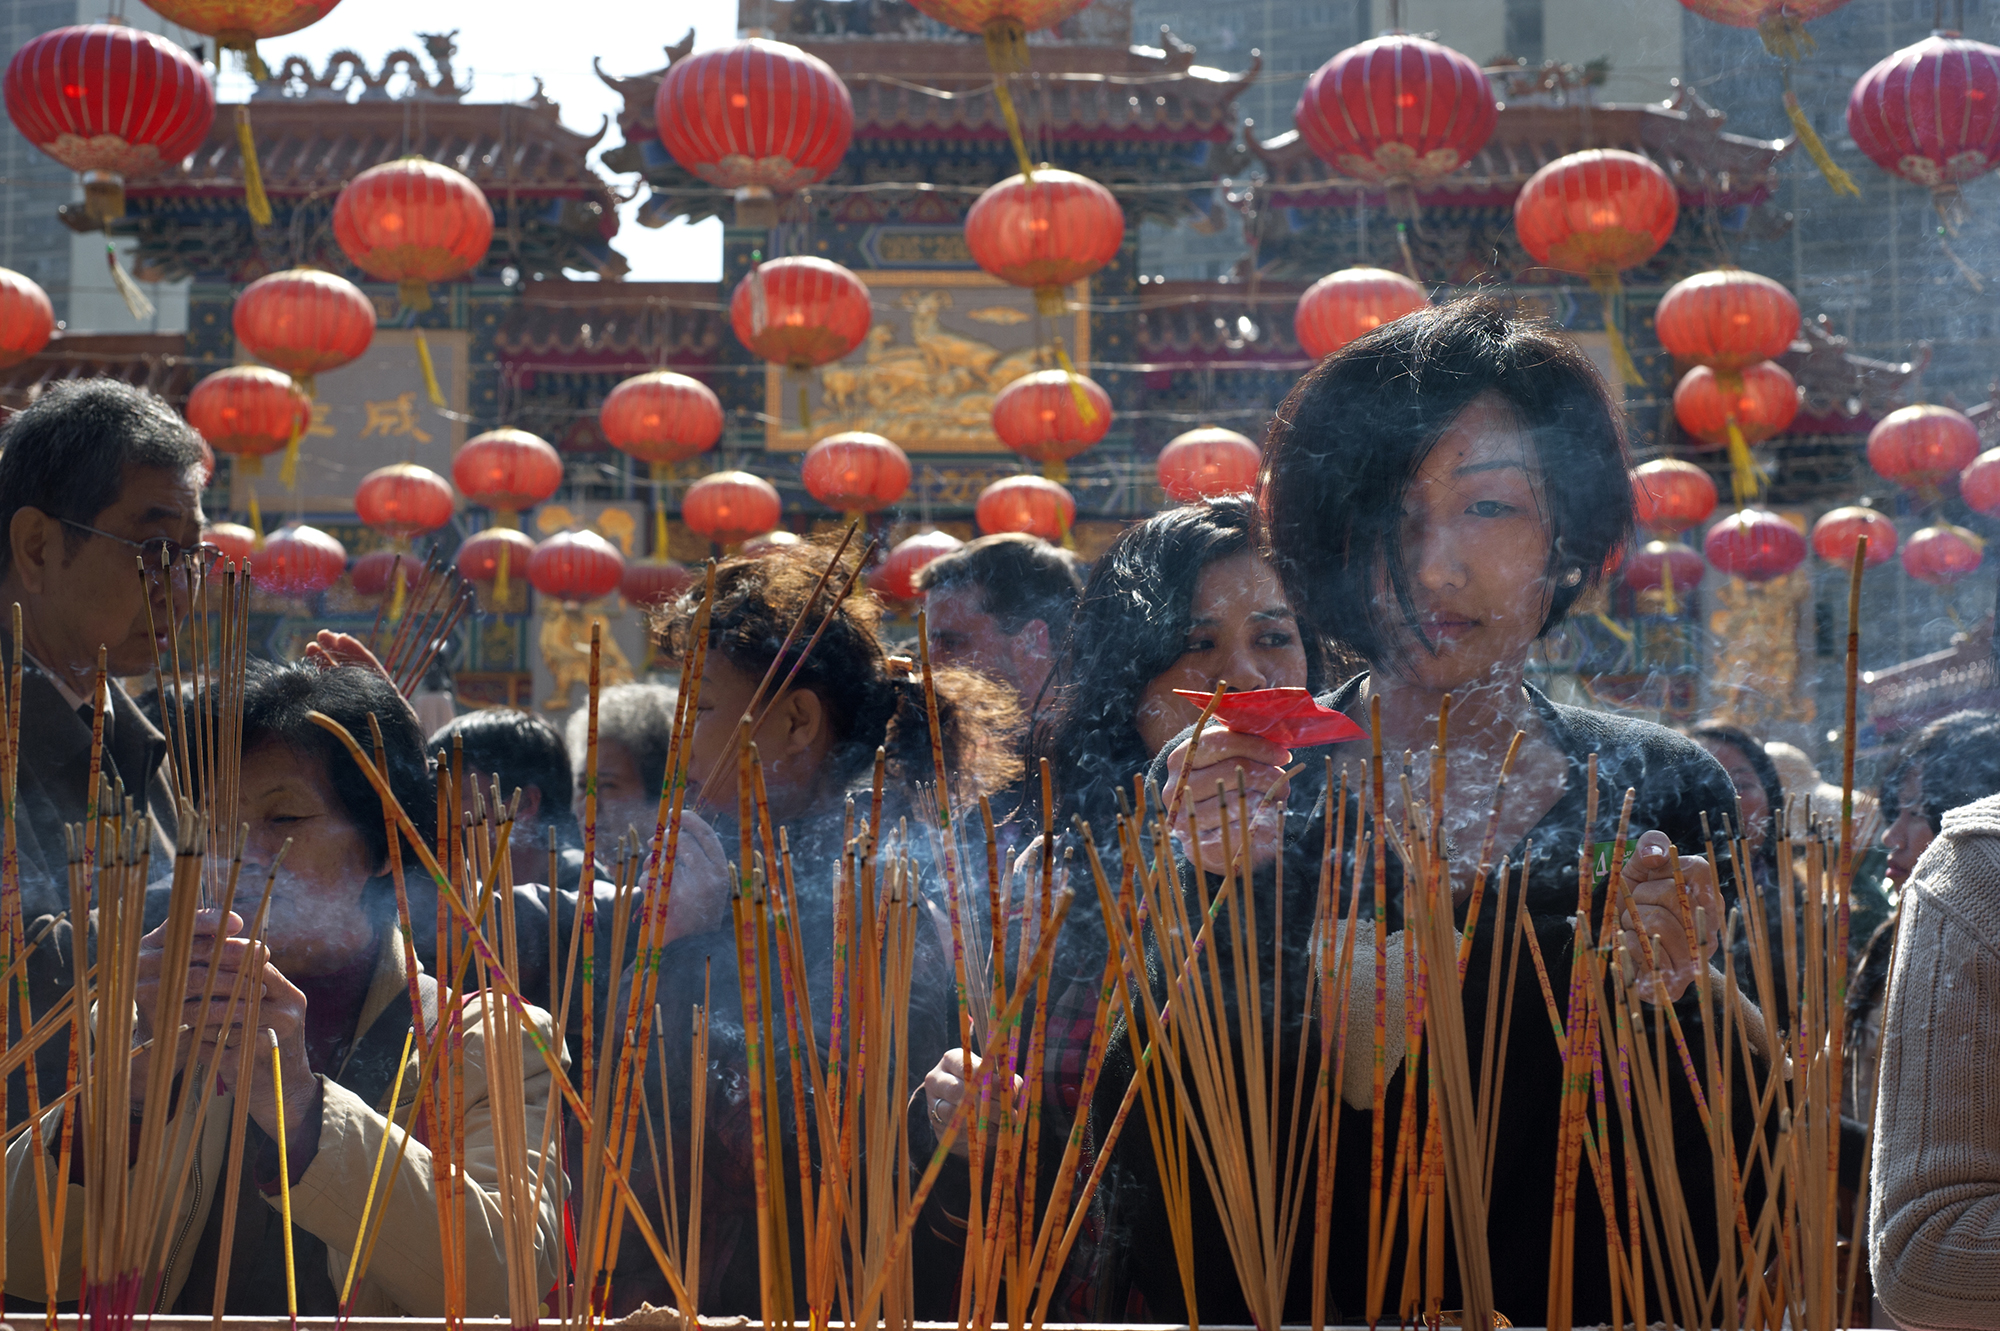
<point>1290,717</point>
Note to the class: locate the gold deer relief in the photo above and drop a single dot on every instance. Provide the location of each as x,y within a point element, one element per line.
<point>565,644</point>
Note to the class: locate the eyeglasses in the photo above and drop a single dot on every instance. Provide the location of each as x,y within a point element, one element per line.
<point>159,553</point>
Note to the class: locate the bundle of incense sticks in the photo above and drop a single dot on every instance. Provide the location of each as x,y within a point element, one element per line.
<point>431,597</point>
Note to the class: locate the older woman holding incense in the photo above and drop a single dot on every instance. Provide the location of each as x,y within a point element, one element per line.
<point>323,967</point>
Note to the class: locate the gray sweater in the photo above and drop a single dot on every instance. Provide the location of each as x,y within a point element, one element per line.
<point>1934,1213</point>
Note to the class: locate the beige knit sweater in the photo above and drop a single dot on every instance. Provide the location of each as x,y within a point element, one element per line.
<point>1934,1212</point>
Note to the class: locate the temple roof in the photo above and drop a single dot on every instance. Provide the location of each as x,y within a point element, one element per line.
<point>560,325</point>
<point>157,361</point>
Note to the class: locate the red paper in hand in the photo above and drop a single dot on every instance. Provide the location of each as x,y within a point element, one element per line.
<point>1289,717</point>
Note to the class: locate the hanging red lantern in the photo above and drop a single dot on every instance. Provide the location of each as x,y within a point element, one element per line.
<point>375,572</point>
<point>731,506</point>
<point>1050,416</point>
<point>303,321</point>
<point>1033,504</point>
<point>495,556</point>
<point>1342,306</point>
<point>1726,319</point>
<point>1930,113</point>
<point>1760,401</point>
<point>299,562</point>
<point>856,472</point>
<point>576,566</point>
<point>403,499</point>
<point>1045,232</point>
<point>248,412</point>
<point>1922,446</point>
<point>233,539</point>
<point>1942,555</point>
<point>237,25</point>
<point>1664,566</point>
<point>764,543</point>
<point>1669,495</point>
<point>413,222</point>
<point>1979,483</point>
<point>1754,545</point>
<point>655,582</point>
<point>1207,462</point>
<point>27,319</point>
<point>755,116</point>
<point>1398,110</point>
<point>661,417</point>
<point>507,470</point>
<point>109,101</point>
<point>1839,531</point>
<point>896,578</point>
<point>1777,21</point>
<point>800,312</point>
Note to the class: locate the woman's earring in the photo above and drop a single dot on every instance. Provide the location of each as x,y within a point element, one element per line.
<point>1573,577</point>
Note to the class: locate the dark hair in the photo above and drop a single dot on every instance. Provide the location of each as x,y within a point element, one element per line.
<point>1956,760</point>
<point>1348,441</point>
<point>524,749</point>
<point>277,700</point>
<point>637,717</point>
<point>67,452</point>
<point>1020,578</point>
<point>1130,625</point>
<point>1767,777</point>
<point>871,701</point>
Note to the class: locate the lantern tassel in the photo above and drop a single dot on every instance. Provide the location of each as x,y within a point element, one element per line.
<point>253,172</point>
<point>805,404</point>
<point>1667,589</point>
<point>1608,287</point>
<point>128,291</point>
<point>414,294</point>
<point>289,473</point>
<point>400,595</point>
<point>500,583</point>
<point>1785,37</point>
<point>1007,53</point>
<point>430,370</point>
<point>1742,471</point>
<point>1965,270</point>
<point>256,516</point>
<point>1837,180</point>
<point>663,473</point>
<point>1084,407</point>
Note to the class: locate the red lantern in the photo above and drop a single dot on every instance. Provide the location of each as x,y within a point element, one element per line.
<point>27,320</point>
<point>1839,531</point>
<point>238,24</point>
<point>1342,306</point>
<point>769,542</point>
<point>403,499</point>
<point>1653,563</point>
<point>110,102</point>
<point>1207,462</point>
<point>248,412</point>
<point>1930,113</point>
<point>496,555</point>
<point>755,116</point>
<point>731,506</point>
<point>1755,545</point>
<point>1017,16</point>
<point>896,579</point>
<point>304,321</point>
<point>1669,495</point>
<point>506,470</point>
<point>655,582</point>
<point>661,418</point>
<point>1942,555</point>
<point>800,312</point>
<point>413,222</point>
<point>1979,483</point>
<point>299,561</point>
<point>1045,232</point>
<point>856,472</point>
<point>576,566</point>
<point>235,540</point>
<point>1397,110</point>
<point>1050,416</point>
<point>1595,212</point>
<point>1033,504</point>
<point>1727,319</point>
<point>1760,401</point>
<point>375,572</point>
<point>1921,446</point>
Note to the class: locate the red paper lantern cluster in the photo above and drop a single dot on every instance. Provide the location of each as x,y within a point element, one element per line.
<point>758,117</point>
<point>1597,211</point>
<point>1759,401</point>
<point>1031,504</point>
<point>1045,232</point>
<point>1839,531</point>
<point>248,412</point>
<point>1726,319</point>
<point>1342,306</point>
<point>27,319</point>
<point>403,499</point>
<point>109,101</point>
<point>1397,110</point>
<point>303,321</point>
<point>1669,495</point>
<point>1207,462</point>
<point>1922,446</point>
<point>1050,416</point>
<point>507,470</point>
<point>731,506</point>
<point>1755,545</point>
<point>856,472</point>
<point>661,418</point>
<point>413,222</point>
<point>1942,555</point>
<point>576,566</point>
<point>800,312</point>
<point>299,561</point>
<point>1930,112</point>
<point>655,582</point>
<point>896,578</point>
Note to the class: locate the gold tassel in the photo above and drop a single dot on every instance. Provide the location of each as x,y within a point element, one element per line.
<point>1057,470</point>
<point>1409,258</point>
<point>1608,287</point>
<point>429,369</point>
<point>128,291</point>
<point>1785,36</point>
<point>253,172</point>
<point>1667,588</point>
<point>414,293</point>
<point>243,41</point>
<point>256,517</point>
<point>1837,180</point>
<point>400,595</point>
<point>1618,631</point>
<point>663,474</point>
<point>1965,270</point>
<point>500,582</point>
<point>1007,53</point>
<point>805,404</point>
<point>1084,407</point>
<point>1742,471</point>
<point>289,473</point>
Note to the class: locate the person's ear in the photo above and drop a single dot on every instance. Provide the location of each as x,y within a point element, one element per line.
<point>530,812</point>
<point>797,722</point>
<point>30,537</point>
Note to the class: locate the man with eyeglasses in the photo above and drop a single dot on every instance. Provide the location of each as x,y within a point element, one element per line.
<point>95,476</point>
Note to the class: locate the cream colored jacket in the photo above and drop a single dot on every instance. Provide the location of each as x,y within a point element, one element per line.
<point>403,1276</point>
